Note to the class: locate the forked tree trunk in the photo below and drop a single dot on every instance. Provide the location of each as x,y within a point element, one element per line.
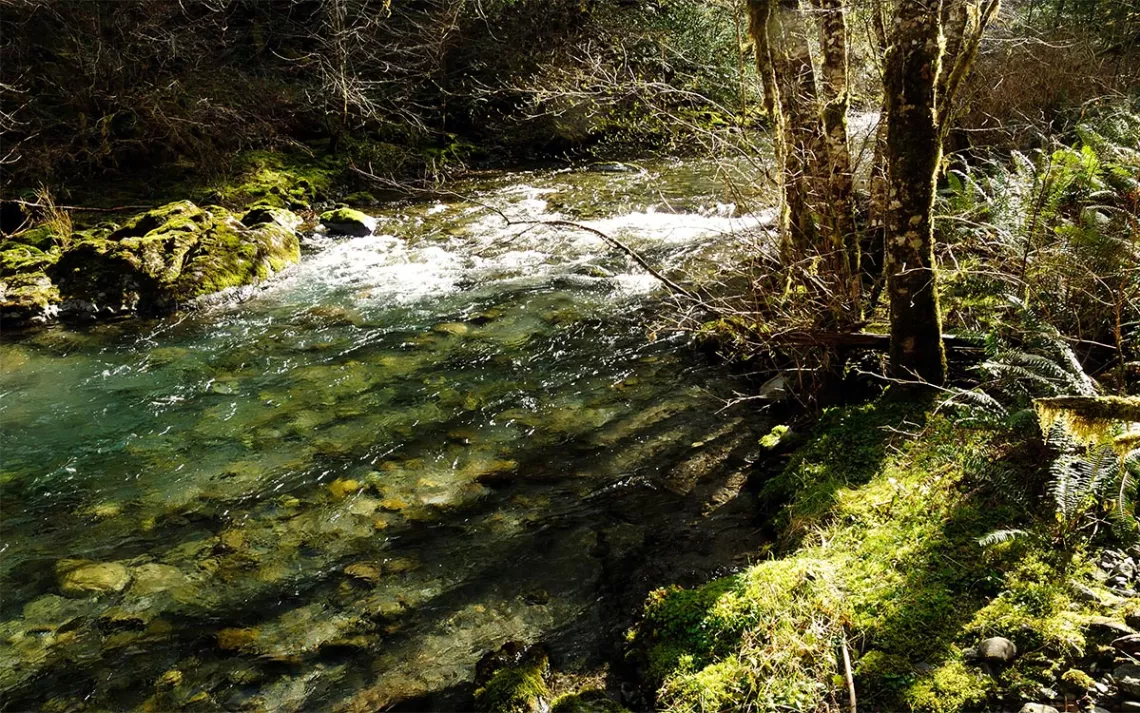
<point>914,150</point>
<point>964,23</point>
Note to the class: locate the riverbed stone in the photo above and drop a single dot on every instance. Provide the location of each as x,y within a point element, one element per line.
<point>1127,677</point>
<point>82,578</point>
<point>1037,708</point>
<point>346,221</point>
<point>153,578</point>
<point>363,571</point>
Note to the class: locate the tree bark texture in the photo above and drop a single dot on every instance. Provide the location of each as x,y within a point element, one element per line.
<point>914,151</point>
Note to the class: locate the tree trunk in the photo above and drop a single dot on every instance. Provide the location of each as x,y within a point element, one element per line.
<point>839,204</point>
<point>759,27</point>
<point>802,129</point>
<point>966,21</point>
<point>914,150</point>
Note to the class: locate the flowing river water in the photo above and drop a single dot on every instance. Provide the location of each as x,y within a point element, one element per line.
<point>340,490</point>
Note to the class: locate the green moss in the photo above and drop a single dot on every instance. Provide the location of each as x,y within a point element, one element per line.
<point>515,689</point>
<point>41,237</point>
<point>951,687</point>
<point>16,258</point>
<point>170,255</point>
<point>881,550</point>
<point>277,180</point>
<point>1079,680</point>
<point>179,216</point>
<point>343,215</point>
<point>27,296</point>
<point>774,437</point>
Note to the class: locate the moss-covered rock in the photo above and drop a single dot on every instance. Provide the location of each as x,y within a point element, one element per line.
<point>171,255</point>
<point>346,221</point>
<point>27,298</point>
<point>513,680</point>
<point>27,295</point>
<point>41,237</point>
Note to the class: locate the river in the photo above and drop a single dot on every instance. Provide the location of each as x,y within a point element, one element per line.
<point>338,490</point>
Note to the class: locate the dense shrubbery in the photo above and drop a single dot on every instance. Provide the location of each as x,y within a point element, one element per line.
<point>97,87</point>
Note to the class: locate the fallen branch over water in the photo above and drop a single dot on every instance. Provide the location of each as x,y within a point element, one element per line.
<point>609,239</point>
<point>614,242</point>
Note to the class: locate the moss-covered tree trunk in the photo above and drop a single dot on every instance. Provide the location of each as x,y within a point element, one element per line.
<point>914,150</point>
<point>839,202</point>
<point>802,129</point>
<point>964,22</point>
<point>759,27</point>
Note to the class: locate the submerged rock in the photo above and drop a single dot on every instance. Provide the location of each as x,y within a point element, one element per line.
<point>81,578</point>
<point>346,221</point>
<point>166,257</point>
<point>363,571</point>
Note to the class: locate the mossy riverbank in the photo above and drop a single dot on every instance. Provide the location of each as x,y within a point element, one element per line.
<point>885,509</point>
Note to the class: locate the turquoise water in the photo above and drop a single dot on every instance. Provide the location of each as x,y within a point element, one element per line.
<point>338,490</point>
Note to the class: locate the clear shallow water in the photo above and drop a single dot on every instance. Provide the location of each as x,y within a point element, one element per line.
<point>341,490</point>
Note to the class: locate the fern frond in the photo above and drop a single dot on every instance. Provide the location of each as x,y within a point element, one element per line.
<point>999,536</point>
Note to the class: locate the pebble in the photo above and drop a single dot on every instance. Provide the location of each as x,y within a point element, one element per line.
<point>1038,708</point>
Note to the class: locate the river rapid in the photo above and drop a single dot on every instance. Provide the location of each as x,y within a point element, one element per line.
<point>337,491</point>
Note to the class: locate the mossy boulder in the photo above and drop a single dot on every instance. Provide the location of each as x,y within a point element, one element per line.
<point>27,295</point>
<point>171,255</point>
<point>27,298</point>
<point>513,680</point>
<point>346,221</point>
<point>41,237</point>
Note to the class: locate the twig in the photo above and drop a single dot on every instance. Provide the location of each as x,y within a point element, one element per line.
<point>91,209</point>
<point>847,673</point>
